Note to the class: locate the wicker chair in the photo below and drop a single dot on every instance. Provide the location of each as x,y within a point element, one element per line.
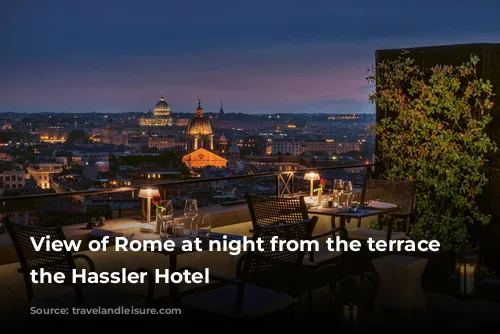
<point>271,211</point>
<point>267,281</point>
<point>400,193</point>
<point>84,295</point>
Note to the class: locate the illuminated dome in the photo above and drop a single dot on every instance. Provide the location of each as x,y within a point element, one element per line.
<point>162,103</point>
<point>162,108</point>
<point>222,139</point>
<point>160,116</point>
<point>199,125</point>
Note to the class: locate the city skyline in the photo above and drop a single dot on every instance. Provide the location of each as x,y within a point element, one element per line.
<point>277,57</point>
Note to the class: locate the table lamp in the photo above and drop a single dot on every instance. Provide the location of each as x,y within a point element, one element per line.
<point>148,193</point>
<point>311,177</point>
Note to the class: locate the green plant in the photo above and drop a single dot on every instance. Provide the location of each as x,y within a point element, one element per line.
<point>486,273</point>
<point>433,133</point>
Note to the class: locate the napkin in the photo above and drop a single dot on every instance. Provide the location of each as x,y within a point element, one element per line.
<point>381,205</point>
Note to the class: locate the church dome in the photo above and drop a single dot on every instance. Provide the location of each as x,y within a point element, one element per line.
<point>234,149</point>
<point>222,138</point>
<point>199,125</point>
<point>162,104</point>
<point>162,109</point>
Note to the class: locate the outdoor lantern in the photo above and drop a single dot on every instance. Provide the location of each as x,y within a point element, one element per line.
<point>148,193</point>
<point>350,313</point>
<point>350,300</point>
<point>311,177</point>
<point>467,267</point>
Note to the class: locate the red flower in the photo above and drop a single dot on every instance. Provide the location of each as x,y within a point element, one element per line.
<point>156,200</point>
<point>322,182</point>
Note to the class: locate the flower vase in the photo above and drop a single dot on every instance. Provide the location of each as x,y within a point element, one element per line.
<point>158,222</point>
<point>320,193</point>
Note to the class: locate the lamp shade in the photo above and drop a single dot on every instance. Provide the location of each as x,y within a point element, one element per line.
<point>311,176</point>
<point>148,192</point>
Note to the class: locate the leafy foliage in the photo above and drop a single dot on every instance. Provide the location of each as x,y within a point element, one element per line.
<point>433,132</point>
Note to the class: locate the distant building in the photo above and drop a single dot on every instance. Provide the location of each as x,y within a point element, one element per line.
<point>274,163</point>
<point>11,177</point>
<point>62,160</point>
<point>41,173</point>
<point>330,146</point>
<point>234,152</point>
<point>200,143</point>
<point>161,115</point>
<point>201,158</point>
<point>286,147</point>
<point>182,122</point>
<point>25,213</point>
<point>162,142</point>
<point>199,132</point>
<point>223,144</point>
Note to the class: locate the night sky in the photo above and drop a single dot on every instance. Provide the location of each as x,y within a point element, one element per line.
<point>258,56</point>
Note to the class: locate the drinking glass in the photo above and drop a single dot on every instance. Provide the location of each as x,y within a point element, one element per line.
<point>348,192</point>
<point>166,212</point>
<point>338,187</point>
<point>355,201</point>
<point>204,226</point>
<point>190,212</point>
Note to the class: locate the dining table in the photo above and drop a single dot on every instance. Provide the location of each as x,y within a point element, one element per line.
<point>346,215</point>
<point>175,251</point>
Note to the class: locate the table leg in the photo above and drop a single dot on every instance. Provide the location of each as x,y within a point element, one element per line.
<point>343,231</point>
<point>343,236</point>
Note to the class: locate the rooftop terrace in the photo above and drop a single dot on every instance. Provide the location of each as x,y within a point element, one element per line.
<point>235,219</point>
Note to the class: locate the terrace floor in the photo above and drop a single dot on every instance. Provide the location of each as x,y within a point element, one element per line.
<point>442,309</point>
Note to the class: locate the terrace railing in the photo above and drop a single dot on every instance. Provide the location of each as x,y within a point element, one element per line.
<point>285,184</point>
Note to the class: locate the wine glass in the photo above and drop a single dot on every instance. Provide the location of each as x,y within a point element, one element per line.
<point>348,193</point>
<point>166,214</point>
<point>204,226</point>
<point>338,186</point>
<point>190,212</point>
<point>355,201</point>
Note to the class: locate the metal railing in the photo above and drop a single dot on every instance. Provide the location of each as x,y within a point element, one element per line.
<point>284,181</point>
<point>282,177</point>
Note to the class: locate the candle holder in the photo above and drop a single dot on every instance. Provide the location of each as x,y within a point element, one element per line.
<point>467,267</point>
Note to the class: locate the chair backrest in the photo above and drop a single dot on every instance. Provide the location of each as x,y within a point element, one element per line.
<point>276,264</point>
<point>271,211</point>
<point>31,259</point>
<point>400,193</point>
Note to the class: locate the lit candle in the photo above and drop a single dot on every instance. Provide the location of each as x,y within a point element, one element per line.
<point>467,275</point>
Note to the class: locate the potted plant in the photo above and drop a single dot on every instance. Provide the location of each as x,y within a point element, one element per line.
<point>433,132</point>
<point>488,286</point>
